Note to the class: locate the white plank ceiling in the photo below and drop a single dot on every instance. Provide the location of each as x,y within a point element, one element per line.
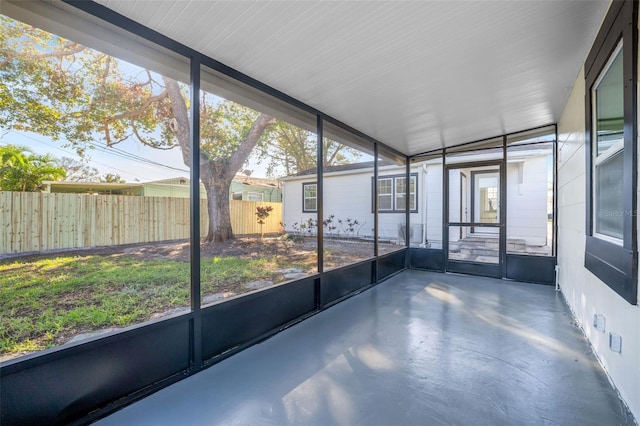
<point>416,75</point>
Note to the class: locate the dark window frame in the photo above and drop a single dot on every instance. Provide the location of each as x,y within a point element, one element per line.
<point>304,209</point>
<point>374,193</point>
<point>614,264</point>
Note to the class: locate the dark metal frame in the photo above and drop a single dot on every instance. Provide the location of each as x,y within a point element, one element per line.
<point>320,211</point>
<point>196,301</point>
<point>527,268</point>
<point>178,347</point>
<point>462,175</point>
<point>615,265</point>
<point>100,390</point>
<point>376,207</point>
<point>476,268</point>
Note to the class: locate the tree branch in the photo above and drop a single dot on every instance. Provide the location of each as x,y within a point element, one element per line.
<point>241,154</point>
<point>180,124</point>
<point>133,113</point>
<point>73,48</point>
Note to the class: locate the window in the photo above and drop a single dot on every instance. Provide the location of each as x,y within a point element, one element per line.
<point>385,194</point>
<point>310,199</point>
<point>236,196</point>
<point>607,98</point>
<point>611,129</point>
<point>255,196</point>
<point>392,193</point>
<point>401,193</point>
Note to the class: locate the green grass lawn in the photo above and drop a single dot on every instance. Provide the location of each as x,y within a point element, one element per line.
<point>45,302</point>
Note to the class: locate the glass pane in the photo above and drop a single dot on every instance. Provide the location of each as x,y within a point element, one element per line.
<point>265,238</point>
<point>426,223</point>
<point>310,191</point>
<point>412,193</point>
<point>401,193</point>
<point>101,196</point>
<point>486,197</point>
<point>400,201</point>
<point>385,202</point>
<point>310,197</point>
<point>348,208</point>
<point>385,186</point>
<point>474,244</point>
<point>530,199</point>
<point>474,195</point>
<point>609,105</point>
<point>310,204</point>
<point>609,200</point>
<point>385,193</point>
<point>459,195</point>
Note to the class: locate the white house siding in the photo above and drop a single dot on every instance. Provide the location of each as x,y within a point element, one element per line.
<point>586,294</point>
<point>345,198</point>
<point>348,195</point>
<point>434,199</point>
<point>527,201</point>
<point>350,198</point>
<point>292,214</point>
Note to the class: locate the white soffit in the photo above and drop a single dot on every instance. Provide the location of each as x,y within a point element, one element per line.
<point>416,75</point>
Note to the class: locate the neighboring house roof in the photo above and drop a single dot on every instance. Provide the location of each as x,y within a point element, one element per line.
<point>171,181</point>
<point>137,188</point>
<point>515,153</point>
<point>256,181</point>
<point>330,169</point>
<point>92,187</point>
<point>342,169</point>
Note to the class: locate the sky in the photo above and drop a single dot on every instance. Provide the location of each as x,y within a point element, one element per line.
<point>130,159</point>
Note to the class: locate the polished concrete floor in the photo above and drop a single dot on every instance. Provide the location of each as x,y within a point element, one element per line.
<point>419,349</point>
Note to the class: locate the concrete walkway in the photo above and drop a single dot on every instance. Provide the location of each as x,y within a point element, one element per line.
<point>419,349</point>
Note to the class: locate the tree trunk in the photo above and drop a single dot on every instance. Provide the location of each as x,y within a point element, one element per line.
<point>217,190</point>
<point>216,174</point>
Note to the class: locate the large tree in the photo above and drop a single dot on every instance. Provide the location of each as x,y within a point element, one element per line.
<point>63,90</point>
<point>22,170</point>
<point>292,149</point>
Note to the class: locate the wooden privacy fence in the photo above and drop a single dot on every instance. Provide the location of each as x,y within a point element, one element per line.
<point>35,221</point>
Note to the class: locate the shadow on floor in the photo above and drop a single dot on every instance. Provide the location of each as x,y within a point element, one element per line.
<point>420,348</point>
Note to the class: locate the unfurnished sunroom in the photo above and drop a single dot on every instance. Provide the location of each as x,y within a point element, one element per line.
<point>455,210</point>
